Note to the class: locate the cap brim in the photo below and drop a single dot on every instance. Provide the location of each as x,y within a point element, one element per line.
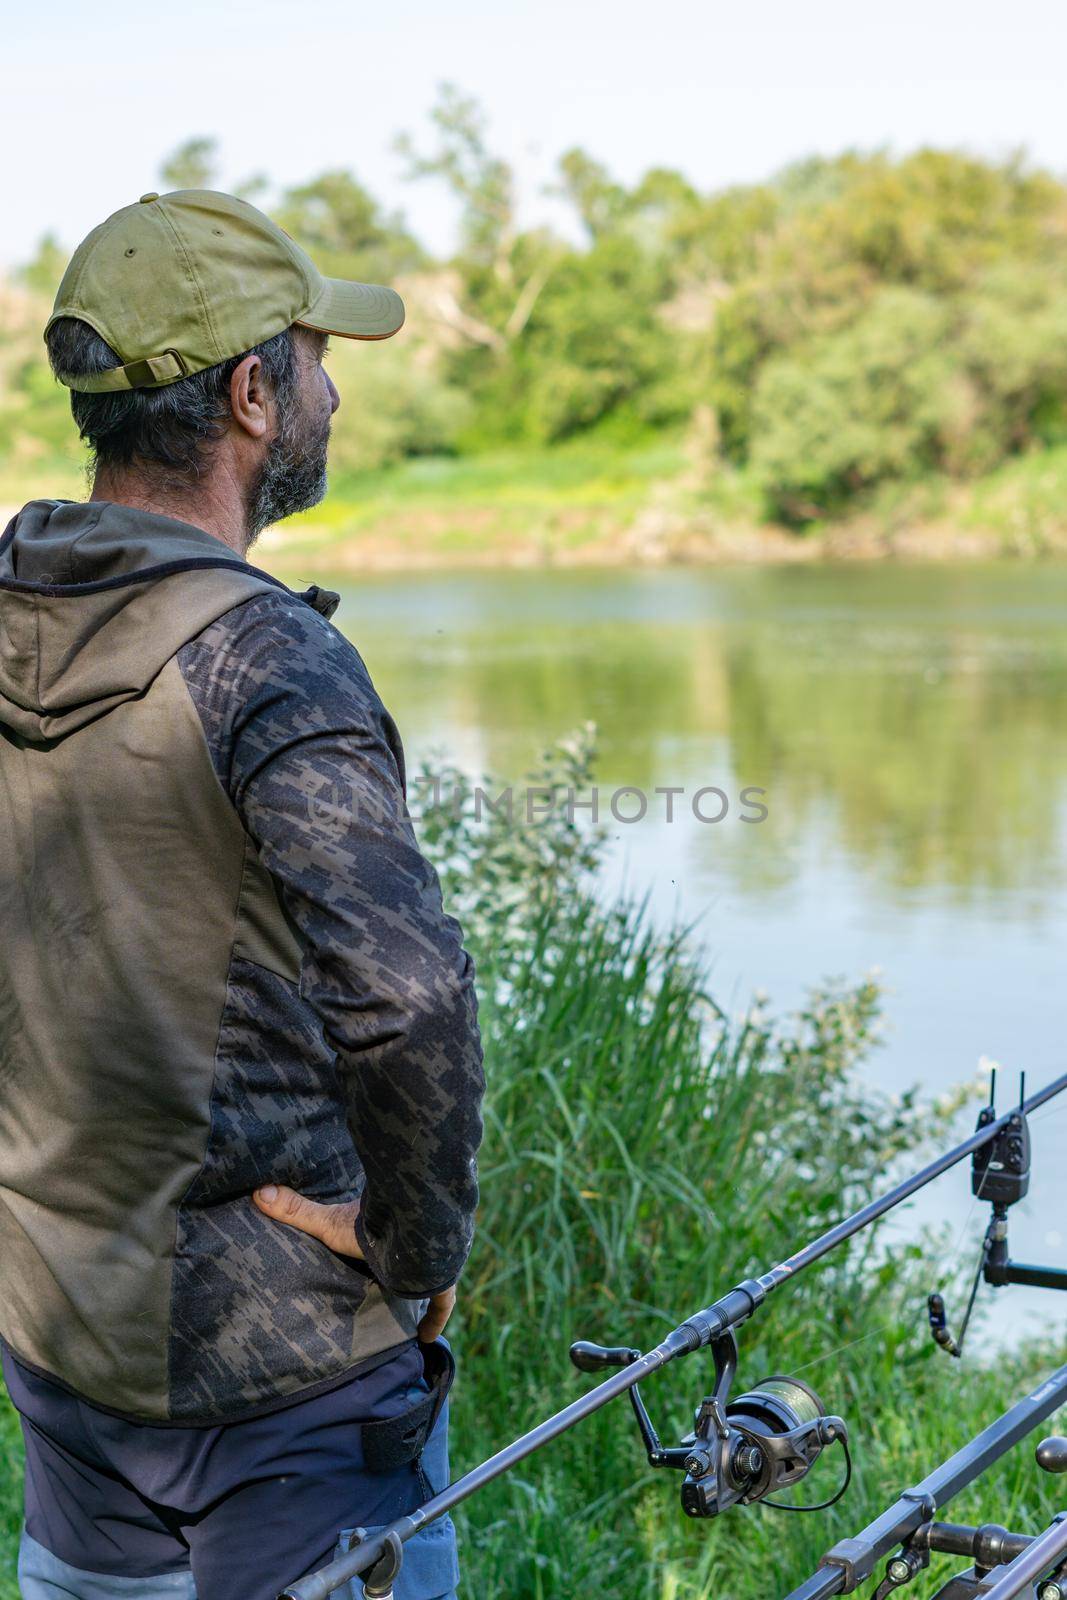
<point>355,310</point>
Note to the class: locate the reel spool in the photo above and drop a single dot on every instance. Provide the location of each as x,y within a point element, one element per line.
<point>775,1433</point>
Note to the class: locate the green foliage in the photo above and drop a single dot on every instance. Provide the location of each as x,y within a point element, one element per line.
<point>643,1152</point>
<point>42,273</point>
<point>506,877</point>
<point>345,231</point>
<point>37,437</point>
<point>392,406</point>
<point>1014,350</point>
<point>918,383</point>
<point>554,339</point>
<point>837,333</point>
<point>1025,503</point>
<point>193,165</point>
<point>593,347</point>
<point>869,402</point>
<point>595,196</point>
<point>11,1464</point>
<point>897,319</point>
<point>481,182</point>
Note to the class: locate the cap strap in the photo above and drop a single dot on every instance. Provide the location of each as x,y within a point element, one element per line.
<point>146,374</point>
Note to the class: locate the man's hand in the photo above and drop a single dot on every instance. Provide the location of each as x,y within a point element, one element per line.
<point>438,1311</point>
<point>335,1225</point>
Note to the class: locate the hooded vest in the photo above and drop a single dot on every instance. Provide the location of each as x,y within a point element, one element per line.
<point>148,974</point>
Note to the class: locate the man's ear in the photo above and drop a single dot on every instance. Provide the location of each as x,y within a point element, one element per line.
<point>249,398</point>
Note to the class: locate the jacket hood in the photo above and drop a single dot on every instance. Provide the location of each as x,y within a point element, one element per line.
<point>95,599</point>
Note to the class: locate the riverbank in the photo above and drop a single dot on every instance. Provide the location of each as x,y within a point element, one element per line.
<point>660,535</point>
<point>596,503</point>
<point>591,505</point>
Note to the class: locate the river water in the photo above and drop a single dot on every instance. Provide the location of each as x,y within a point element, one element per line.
<point>908,726</point>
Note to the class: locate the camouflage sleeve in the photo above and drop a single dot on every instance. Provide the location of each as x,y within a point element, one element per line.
<point>313,763</point>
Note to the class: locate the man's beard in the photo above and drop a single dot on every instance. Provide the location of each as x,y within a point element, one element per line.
<point>293,475</point>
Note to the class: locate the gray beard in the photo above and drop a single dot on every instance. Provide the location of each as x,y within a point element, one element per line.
<point>292,478</point>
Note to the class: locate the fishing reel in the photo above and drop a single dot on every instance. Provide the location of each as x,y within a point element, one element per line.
<point>1000,1175</point>
<point>740,1451</point>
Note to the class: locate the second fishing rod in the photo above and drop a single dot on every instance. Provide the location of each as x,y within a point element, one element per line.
<point>782,1421</point>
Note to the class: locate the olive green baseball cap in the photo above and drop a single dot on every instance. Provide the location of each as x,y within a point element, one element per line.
<point>181,281</point>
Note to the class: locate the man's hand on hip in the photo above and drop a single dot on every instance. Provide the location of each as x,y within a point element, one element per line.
<point>438,1311</point>
<point>335,1225</point>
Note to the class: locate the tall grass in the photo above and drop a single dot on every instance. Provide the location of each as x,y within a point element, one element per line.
<point>10,1496</point>
<point>643,1153</point>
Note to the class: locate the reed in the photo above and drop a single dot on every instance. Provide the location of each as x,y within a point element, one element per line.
<point>643,1152</point>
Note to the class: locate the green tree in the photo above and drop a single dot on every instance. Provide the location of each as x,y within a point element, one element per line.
<point>483,183</point>
<point>554,339</point>
<point>43,272</point>
<point>1014,348</point>
<point>502,272</point>
<point>855,407</point>
<point>818,374</point>
<point>594,346</point>
<point>345,229</point>
<point>193,165</point>
<point>599,201</point>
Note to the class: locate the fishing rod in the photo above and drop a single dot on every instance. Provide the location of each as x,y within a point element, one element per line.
<point>739,1451</point>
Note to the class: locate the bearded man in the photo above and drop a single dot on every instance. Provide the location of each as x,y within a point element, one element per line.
<point>240,1068</point>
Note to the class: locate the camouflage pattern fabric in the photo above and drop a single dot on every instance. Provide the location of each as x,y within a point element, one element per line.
<point>358,1072</point>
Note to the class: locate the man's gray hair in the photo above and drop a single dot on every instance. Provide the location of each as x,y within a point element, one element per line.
<point>171,429</point>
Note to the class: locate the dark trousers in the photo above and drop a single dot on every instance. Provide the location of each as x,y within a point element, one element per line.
<point>121,1510</point>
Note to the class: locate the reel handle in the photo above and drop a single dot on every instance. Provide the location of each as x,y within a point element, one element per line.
<point>589,1357</point>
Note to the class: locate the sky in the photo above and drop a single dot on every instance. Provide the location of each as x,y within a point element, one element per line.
<point>94,97</point>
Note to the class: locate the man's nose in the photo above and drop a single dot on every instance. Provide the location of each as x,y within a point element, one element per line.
<point>335,398</point>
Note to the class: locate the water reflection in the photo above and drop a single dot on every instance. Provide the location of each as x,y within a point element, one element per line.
<point>907,724</point>
<point>915,713</point>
